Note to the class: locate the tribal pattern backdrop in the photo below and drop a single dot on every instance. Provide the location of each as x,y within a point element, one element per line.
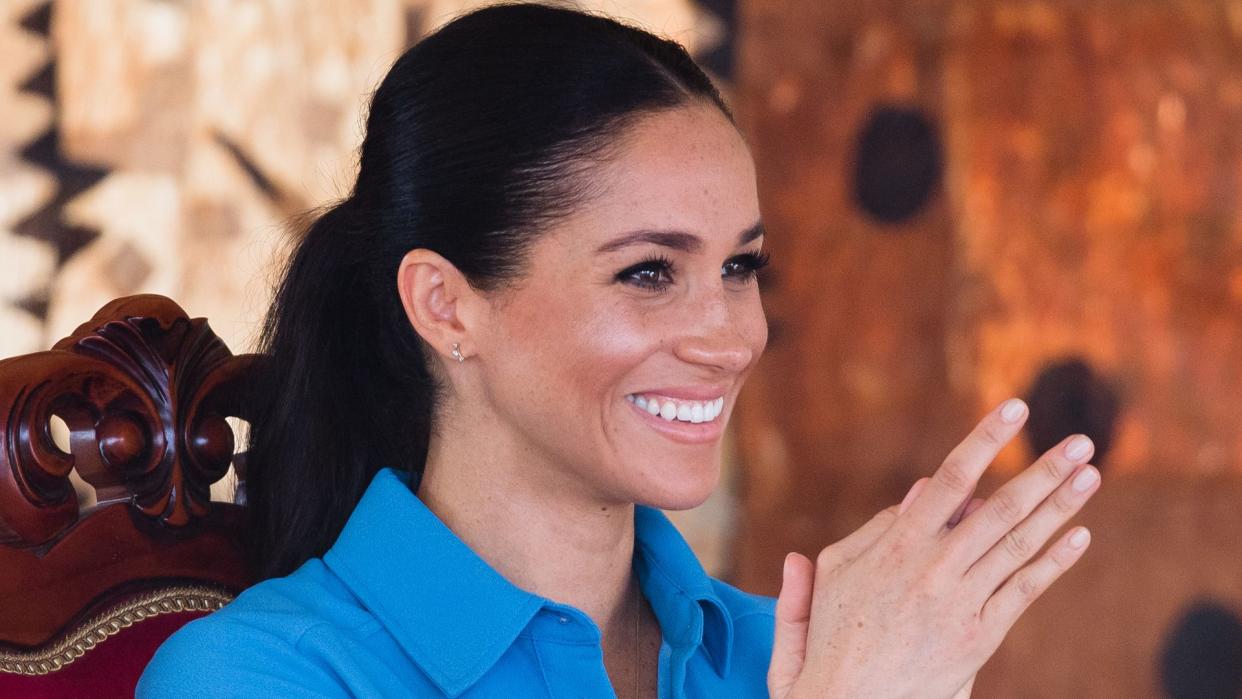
<point>157,146</point>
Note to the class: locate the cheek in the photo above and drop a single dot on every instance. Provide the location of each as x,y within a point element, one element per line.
<point>575,350</point>
<point>610,341</point>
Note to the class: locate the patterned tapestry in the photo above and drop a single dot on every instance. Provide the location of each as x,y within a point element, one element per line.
<point>154,146</point>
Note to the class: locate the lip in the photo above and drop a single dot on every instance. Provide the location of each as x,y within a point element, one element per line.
<point>684,432</point>
<point>699,393</point>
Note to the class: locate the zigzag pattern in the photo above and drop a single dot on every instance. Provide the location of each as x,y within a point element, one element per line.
<point>26,264</point>
<point>46,223</point>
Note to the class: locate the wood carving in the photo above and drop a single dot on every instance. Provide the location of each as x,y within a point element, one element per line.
<point>145,391</point>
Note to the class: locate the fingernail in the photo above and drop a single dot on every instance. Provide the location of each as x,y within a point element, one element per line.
<point>1078,447</point>
<point>1013,410</point>
<point>1085,479</point>
<point>1079,538</point>
<point>785,567</point>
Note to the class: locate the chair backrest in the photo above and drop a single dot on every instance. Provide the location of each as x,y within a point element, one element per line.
<point>87,595</point>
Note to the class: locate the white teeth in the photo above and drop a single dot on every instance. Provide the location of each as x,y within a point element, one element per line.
<point>668,411</point>
<point>694,412</point>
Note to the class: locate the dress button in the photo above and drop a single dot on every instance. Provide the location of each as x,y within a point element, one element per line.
<point>563,619</point>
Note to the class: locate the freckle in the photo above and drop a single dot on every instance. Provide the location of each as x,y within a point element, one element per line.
<point>860,624</point>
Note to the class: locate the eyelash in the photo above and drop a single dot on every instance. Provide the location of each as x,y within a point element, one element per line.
<point>747,265</point>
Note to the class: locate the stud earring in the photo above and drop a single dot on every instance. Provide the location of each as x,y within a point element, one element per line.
<point>457,353</point>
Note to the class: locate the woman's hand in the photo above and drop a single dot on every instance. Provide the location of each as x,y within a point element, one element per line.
<point>914,602</point>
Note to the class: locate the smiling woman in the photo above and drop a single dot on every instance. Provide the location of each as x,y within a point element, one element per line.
<point>554,219</point>
<point>670,314</point>
<point>521,334</point>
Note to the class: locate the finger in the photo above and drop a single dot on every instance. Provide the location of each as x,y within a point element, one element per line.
<point>1023,541</point>
<point>1011,504</point>
<point>1025,586</point>
<point>910,496</point>
<point>956,478</point>
<point>966,510</point>
<point>793,617</point>
<point>918,488</point>
<point>961,510</point>
<point>973,507</point>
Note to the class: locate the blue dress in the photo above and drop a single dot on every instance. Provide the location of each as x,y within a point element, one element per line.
<point>401,607</point>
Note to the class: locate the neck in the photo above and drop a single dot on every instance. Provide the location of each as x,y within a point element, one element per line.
<point>534,528</point>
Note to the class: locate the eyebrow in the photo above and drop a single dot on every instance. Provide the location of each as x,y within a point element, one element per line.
<point>677,240</point>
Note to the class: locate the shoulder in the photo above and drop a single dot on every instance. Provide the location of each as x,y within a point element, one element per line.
<point>251,647</point>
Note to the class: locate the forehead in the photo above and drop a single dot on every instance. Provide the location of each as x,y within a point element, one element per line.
<point>685,169</point>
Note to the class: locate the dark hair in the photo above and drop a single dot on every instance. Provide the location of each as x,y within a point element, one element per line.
<point>476,140</point>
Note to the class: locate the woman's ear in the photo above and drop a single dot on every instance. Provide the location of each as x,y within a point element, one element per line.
<point>438,301</point>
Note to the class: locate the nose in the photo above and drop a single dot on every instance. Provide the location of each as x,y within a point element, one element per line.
<point>716,337</point>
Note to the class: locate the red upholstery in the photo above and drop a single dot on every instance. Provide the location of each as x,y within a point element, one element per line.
<point>110,669</point>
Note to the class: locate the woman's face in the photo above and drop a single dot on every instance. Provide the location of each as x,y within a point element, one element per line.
<point>618,356</point>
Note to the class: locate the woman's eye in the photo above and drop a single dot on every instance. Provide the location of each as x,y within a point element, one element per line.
<point>649,274</point>
<point>744,267</point>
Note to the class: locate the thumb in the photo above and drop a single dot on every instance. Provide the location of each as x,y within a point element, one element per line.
<point>793,617</point>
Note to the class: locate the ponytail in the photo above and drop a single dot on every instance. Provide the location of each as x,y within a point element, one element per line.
<point>340,395</point>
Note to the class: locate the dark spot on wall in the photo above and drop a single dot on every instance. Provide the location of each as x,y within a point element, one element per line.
<point>1068,397</point>
<point>1202,655</point>
<point>898,163</point>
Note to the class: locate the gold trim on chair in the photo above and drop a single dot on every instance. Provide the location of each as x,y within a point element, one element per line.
<point>103,626</point>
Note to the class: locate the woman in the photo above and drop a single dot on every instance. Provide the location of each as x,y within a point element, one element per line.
<point>523,332</point>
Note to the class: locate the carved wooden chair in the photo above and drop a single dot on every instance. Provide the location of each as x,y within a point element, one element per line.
<point>87,596</point>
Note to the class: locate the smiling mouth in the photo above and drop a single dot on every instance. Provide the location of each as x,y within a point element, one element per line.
<point>676,410</point>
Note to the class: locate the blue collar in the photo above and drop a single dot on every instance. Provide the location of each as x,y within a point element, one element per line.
<point>413,573</point>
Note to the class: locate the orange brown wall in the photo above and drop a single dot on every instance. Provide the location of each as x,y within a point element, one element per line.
<point>1085,216</point>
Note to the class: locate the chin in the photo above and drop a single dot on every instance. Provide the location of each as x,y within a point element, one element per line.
<point>683,489</point>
